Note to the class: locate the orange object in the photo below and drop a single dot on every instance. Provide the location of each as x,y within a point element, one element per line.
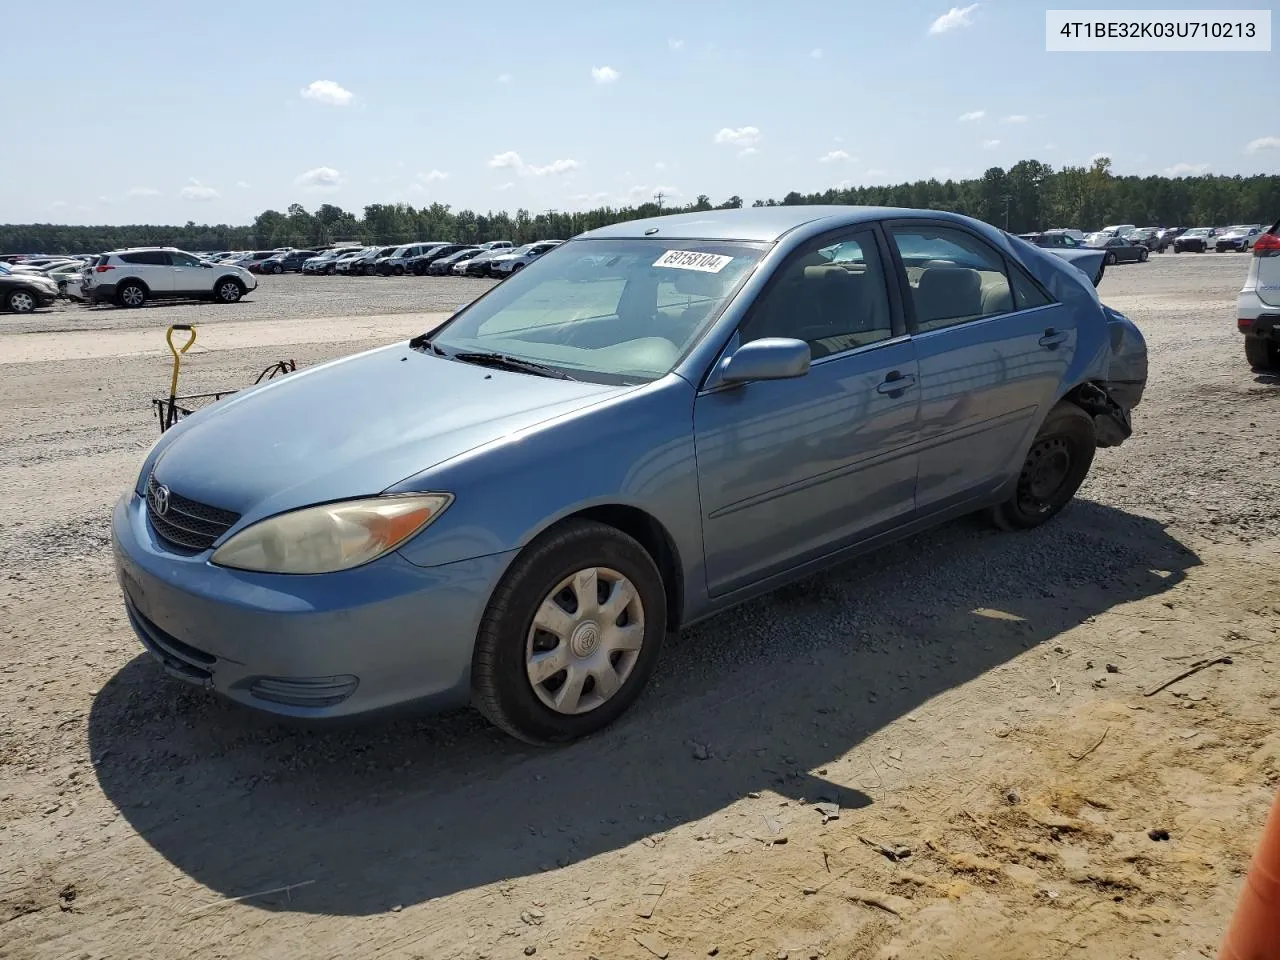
<point>1254,933</point>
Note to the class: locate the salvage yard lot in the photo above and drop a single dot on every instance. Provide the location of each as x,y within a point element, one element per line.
<point>973,702</point>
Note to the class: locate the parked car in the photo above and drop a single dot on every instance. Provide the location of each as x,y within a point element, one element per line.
<point>362,265</point>
<point>1195,240</point>
<point>24,292</point>
<point>394,264</point>
<point>1119,229</point>
<point>129,278</point>
<point>252,258</point>
<point>445,265</point>
<point>1239,238</point>
<point>324,263</point>
<point>344,262</point>
<point>290,262</point>
<point>755,405</point>
<point>496,245</point>
<point>418,265</point>
<point>1148,237</point>
<point>1258,306</point>
<point>510,262</point>
<point>1076,235</point>
<point>478,265</point>
<point>1048,239</point>
<point>1165,238</point>
<point>1118,249</point>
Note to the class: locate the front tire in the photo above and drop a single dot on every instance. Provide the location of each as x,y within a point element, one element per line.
<point>1142,256</point>
<point>21,301</point>
<point>1109,260</point>
<point>228,290</point>
<point>131,295</point>
<point>1055,466</point>
<point>276,268</point>
<point>1262,354</point>
<point>571,635</point>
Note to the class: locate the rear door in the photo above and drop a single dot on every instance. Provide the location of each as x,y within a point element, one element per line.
<point>993,349</point>
<point>151,267</point>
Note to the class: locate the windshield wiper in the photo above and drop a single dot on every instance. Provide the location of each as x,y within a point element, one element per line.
<point>423,341</point>
<point>502,361</point>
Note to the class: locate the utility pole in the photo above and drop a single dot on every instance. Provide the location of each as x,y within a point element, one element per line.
<point>659,197</point>
<point>1007,198</point>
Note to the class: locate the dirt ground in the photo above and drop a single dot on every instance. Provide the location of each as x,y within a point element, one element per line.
<point>949,749</point>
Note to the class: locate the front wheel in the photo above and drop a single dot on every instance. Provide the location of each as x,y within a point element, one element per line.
<point>1262,354</point>
<point>1055,466</point>
<point>1109,259</point>
<point>571,635</point>
<point>1142,256</point>
<point>228,290</point>
<point>397,271</point>
<point>277,269</point>
<point>21,301</point>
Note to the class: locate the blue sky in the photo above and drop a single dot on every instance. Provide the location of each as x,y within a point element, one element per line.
<point>167,112</point>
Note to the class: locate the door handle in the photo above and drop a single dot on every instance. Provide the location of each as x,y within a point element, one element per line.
<point>895,384</point>
<point>1052,339</point>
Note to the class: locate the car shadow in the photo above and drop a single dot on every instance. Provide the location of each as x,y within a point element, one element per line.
<point>373,814</point>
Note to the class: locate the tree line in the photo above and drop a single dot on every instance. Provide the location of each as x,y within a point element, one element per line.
<point>1030,195</point>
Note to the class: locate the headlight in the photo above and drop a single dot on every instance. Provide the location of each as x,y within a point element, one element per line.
<point>332,537</point>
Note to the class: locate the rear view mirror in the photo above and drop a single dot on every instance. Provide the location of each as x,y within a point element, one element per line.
<point>769,358</point>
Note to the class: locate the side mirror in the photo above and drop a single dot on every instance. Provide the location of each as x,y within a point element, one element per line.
<point>770,358</point>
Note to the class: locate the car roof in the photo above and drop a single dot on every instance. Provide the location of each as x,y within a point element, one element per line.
<point>766,224</point>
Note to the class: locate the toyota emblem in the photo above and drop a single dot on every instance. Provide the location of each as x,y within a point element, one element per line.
<point>160,500</point>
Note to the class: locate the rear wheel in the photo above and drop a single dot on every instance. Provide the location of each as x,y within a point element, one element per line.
<point>1055,466</point>
<point>131,295</point>
<point>1262,354</point>
<point>1142,255</point>
<point>21,301</point>
<point>276,268</point>
<point>1109,260</point>
<point>571,634</point>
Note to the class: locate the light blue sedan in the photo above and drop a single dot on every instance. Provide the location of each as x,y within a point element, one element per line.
<point>654,421</point>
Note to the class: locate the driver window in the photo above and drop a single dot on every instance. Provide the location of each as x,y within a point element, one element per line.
<point>833,297</point>
<point>182,260</point>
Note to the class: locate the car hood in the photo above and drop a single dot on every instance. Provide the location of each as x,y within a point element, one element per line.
<point>354,427</point>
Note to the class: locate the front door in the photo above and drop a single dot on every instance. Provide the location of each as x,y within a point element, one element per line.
<point>790,470</point>
<point>994,350</point>
<point>189,276</point>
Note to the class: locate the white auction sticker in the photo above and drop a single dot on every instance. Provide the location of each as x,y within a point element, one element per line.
<point>691,260</point>
<point>1133,31</point>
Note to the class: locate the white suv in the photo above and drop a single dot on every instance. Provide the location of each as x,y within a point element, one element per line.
<point>1258,307</point>
<point>129,278</point>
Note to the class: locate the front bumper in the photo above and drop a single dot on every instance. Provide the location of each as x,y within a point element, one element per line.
<point>1222,246</point>
<point>384,634</point>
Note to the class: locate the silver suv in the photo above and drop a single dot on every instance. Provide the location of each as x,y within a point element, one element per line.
<point>129,278</point>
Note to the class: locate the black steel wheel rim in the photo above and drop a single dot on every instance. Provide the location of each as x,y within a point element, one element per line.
<point>1044,475</point>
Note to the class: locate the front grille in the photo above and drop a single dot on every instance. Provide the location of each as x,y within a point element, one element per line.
<point>304,692</point>
<point>184,522</point>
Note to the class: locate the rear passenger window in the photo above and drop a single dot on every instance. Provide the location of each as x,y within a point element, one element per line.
<point>151,258</point>
<point>833,297</point>
<point>954,277</point>
<point>1026,294</point>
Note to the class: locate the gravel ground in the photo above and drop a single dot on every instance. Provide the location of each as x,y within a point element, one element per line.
<point>944,693</point>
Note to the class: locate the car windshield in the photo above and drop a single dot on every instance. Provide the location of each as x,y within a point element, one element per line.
<point>613,311</point>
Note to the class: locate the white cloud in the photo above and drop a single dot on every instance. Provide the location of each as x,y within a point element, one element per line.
<point>506,161</point>
<point>875,172</point>
<point>590,197</point>
<point>320,178</point>
<point>1186,169</point>
<point>242,184</point>
<point>58,204</point>
<point>990,144</point>
<point>505,186</point>
<point>1263,143</point>
<point>971,116</point>
<point>433,175</point>
<point>1014,118</point>
<point>196,190</point>
<point>106,201</point>
<point>953,18</point>
<point>604,74</point>
<point>504,78</point>
<point>327,92</point>
<point>747,151</point>
<point>738,136</point>
<point>1050,146</point>
<point>143,192</point>
<point>659,165</point>
<point>675,45</point>
<point>815,53</point>
<point>510,160</point>
<point>834,156</point>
